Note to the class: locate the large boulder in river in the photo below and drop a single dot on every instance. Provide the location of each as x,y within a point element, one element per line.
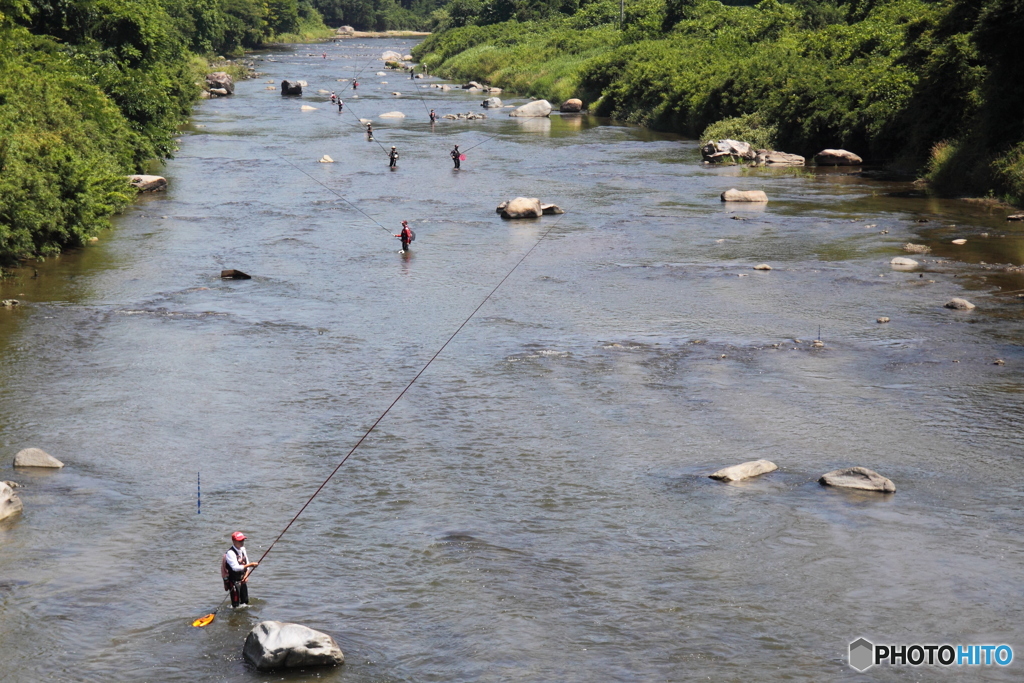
<point>571,106</point>
<point>290,88</point>
<point>734,195</point>
<point>280,645</point>
<point>858,478</point>
<point>147,183</point>
<point>959,304</point>
<point>10,504</point>
<point>745,470</point>
<point>522,207</point>
<point>767,157</point>
<point>535,108</point>
<point>837,157</point>
<point>36,457</point>
<point>220,79</point>
<point>492,103</point>
<point>551,209</point>
<point>391,56</point>
<point>715,151</point>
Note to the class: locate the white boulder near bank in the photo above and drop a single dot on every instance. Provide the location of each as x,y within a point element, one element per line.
<point>280,645</point>
<point>858,478</point>
<point>744,470</point>
<point>535,108</point>
<point>36,457</point>
<point>10,504</point>
<point>391,56</point>
<point>147,183</point>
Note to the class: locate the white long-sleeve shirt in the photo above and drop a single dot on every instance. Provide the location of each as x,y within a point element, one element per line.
<point>237,561</point>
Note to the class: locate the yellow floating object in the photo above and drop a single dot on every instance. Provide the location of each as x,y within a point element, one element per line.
<point>203,621</point>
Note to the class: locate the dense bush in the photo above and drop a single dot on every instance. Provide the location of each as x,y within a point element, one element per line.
<point>888,78</point>
<point>92,90</point>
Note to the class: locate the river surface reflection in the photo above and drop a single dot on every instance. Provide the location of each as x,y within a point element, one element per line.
<point>537,507</point>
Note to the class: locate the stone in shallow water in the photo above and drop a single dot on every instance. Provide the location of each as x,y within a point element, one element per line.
<point>734,195</point>
<point>959,304</point>
<point>10,504</point>
<point>744,470</point>
<point>858,478</point>
<point>36,457</point>
<point>280,645</point>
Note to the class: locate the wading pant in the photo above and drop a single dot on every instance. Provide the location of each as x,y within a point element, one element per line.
<point>239,593</point>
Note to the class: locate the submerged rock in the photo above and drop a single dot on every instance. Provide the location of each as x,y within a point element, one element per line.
<point>232,274</point>
<point>911,248</point>
<point>522,207</point>
<point>9,303</point>
<point>280,645</point>
<point>535,108</point>
<point>392,115</point>
<point>735,195</point>
<point>762,266</point>
<point>837,157</point>
<point>883,319</point>
<point>858,478</point>
<point>36,457</point>
<point>902,262</point>
<point>10,504</point>
<point>744,470</point>
<point>306,107</point>
<point>571,106</point>
<point>959,304</point>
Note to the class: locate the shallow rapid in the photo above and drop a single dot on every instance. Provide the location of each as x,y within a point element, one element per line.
<point>537,507</point>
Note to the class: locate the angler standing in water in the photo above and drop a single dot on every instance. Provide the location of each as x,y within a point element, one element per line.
<point>433,116</point>
<point>456,156</point>
<point>393,156</point>
<point>369,131</point>
<point>341,105</point>
<point>235,569</point>
<point>355,84</point>
<point>407,236</point>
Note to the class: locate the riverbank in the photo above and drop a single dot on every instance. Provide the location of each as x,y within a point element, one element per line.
<point>864,80</point>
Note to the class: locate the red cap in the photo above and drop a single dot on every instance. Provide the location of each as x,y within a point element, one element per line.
<point>238,536</point>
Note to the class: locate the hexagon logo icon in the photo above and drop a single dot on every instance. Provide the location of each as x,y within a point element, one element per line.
<point>862,654</point>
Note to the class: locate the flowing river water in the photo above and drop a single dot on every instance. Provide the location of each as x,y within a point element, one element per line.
<point>537,507</point>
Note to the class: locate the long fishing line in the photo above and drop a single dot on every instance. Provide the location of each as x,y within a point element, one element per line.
<point>407,387</point>
<point>336,193</point>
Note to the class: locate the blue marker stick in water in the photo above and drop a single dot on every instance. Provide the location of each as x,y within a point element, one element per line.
<point>199,496</point>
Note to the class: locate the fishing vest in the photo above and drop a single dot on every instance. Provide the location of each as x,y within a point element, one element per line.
<point>240,556</point>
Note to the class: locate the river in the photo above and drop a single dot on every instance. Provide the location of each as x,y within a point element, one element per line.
<point>537,507</point>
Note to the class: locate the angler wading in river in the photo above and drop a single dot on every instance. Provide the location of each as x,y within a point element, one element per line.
<point>235,570</point>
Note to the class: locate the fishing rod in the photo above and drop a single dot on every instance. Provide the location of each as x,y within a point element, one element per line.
<point>204,621</point>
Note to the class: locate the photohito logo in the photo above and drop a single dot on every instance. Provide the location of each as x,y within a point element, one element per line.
<point>864,654</point>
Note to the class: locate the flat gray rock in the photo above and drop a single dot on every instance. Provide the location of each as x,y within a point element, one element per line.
<point>744,470</point>
<point>36,457</point>
<point>858,478</point>
<point>280,645</point>
<point>10,504</point>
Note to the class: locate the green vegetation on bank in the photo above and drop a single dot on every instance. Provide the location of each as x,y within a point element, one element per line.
<point>94,90</point>
<point>928,86</point>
